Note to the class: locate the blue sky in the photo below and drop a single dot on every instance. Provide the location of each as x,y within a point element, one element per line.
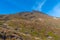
<point>50,7</point>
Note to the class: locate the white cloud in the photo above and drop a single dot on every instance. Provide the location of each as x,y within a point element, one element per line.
<point>55,11</point>
<point>39,5</point>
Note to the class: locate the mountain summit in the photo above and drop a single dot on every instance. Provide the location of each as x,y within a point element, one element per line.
<point>33,25</point>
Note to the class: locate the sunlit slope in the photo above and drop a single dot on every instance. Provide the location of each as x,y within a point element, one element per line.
<point>30,26</point>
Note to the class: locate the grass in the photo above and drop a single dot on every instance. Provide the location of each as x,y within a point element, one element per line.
<point>55,37</point>
<point>36,29</point>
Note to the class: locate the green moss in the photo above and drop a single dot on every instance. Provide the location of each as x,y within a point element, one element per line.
<point>55,37</point>
<point>1,23</point>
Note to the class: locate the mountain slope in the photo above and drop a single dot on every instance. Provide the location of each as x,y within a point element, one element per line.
<point>29,26</point>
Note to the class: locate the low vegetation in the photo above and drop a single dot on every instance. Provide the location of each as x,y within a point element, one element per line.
<point>24,26</point>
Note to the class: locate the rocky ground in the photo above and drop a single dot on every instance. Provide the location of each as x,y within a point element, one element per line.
<point>29,26</point>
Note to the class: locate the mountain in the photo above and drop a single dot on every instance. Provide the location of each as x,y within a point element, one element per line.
<point>33,25</point>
